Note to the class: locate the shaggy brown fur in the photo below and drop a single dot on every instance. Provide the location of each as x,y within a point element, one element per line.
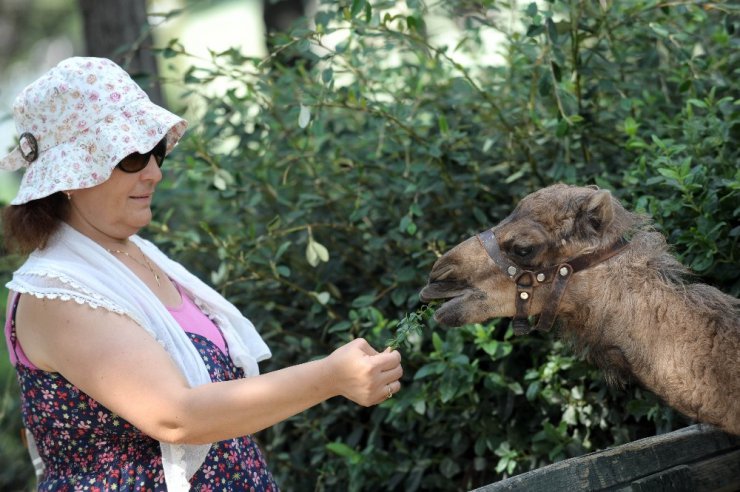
<point>634,315</point>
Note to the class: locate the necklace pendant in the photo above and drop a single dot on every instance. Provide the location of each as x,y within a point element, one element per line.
<point>146,263</point>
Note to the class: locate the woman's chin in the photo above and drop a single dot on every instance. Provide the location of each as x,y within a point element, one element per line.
<point>140,218</point>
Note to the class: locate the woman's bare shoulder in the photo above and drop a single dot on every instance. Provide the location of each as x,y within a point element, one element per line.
<point>50,328</point>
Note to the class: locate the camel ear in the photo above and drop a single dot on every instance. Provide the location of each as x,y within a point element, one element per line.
<point>598,210</point>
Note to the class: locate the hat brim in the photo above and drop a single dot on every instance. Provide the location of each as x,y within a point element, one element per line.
<point>99,148</point>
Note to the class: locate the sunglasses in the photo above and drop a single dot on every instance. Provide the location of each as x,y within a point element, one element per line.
<point>133,163</point>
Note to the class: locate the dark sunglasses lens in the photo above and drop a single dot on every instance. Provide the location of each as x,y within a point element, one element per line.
<point>133,163</point>
<point>159,151</point>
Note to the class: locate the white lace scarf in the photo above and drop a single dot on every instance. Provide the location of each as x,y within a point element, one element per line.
<point>73,267</point>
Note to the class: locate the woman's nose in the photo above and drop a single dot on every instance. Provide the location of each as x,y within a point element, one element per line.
<point>152,170</point>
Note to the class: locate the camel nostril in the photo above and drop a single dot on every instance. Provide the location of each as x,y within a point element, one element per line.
<point>441,273</point>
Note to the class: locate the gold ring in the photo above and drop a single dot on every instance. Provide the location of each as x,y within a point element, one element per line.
<point>390,393</point>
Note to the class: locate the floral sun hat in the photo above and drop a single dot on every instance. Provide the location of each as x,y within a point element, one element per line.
<point>77,122</point>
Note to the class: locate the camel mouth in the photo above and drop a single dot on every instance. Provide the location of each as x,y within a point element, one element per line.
<point>449,304</point>
<point>439,291</point>
<point>452,311</point>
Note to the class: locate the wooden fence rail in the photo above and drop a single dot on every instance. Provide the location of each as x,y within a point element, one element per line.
<point>699,458</point>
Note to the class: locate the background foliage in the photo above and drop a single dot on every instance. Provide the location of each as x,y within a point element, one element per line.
<point>317,187</point>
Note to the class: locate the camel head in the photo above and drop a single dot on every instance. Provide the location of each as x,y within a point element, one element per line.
<point>521,267</point>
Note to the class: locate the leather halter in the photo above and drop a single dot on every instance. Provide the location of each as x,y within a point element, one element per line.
<point>527,280</point>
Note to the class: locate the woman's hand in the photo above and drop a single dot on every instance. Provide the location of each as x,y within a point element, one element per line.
<point>359,372</point>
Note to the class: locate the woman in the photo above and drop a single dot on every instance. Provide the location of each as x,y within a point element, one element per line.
<point>135,375</point>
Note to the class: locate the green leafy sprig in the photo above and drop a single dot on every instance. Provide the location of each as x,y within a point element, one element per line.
<point>410,323</point>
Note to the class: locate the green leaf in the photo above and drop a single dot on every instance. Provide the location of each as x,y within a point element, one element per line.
<point>304,116</point>
<point>449,468</point>
<point>429,369</point>
<point>670,173</point>
<point>412,23</point>
<point>363,301</point>
<point>658,29</point>
<point>304,45</point>
<point>513,177</point>
<point>497,349</point>
<point>322,297</point>
<point>341,449</point>
<point>357,7</point>
<point>569,416</point>
<point>533,390</point>
<point>443,128</point>
<point>515,388</point>
<point>535,30</point>
<point>327,75</point>
<point>321,251</point>
<point>316,253</point>
<point>552,32</point>
<point>437,342</point>
<point>447,390</point>
<point>698,103</point>
<point>557,73</point>
<point>702,263</point>
<point>544,84</point>
<point>222,179</point>
<point>630,126</point>
<point>407,225</point>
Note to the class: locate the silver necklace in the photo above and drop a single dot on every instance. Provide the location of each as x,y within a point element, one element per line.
<point>146,263</point>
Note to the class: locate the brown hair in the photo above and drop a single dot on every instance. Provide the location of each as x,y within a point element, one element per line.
<point>29,226</point>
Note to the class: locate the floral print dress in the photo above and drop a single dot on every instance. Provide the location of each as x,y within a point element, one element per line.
<point>86,447</point>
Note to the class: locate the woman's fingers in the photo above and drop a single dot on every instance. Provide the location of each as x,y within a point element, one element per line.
<point>393,374</point>
<point>390,365</point>
<point>388,391</point>
<point>365,347</point>
<point>388,359</point>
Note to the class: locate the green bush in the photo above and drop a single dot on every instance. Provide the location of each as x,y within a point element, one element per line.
<point>317,187</point>
<point>327,179</point>
<point>687,177</point>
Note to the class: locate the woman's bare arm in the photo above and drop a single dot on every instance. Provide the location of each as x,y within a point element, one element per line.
<point>120,365</point>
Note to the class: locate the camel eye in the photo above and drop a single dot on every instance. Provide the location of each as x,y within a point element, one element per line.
<point>522,251</point>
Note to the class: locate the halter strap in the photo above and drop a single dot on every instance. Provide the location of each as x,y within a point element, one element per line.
<point>526,280</point>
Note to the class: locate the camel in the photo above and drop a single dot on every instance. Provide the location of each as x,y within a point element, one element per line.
<point>575,255</point>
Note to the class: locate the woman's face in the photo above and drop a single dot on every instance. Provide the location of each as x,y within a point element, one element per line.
<point>116,209</point>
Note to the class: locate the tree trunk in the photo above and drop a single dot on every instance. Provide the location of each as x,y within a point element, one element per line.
<point>279,17</point>
<point>119,30</point>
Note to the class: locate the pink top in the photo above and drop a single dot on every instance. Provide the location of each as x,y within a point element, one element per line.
<point>187,315</point>
<point>192,320</point>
